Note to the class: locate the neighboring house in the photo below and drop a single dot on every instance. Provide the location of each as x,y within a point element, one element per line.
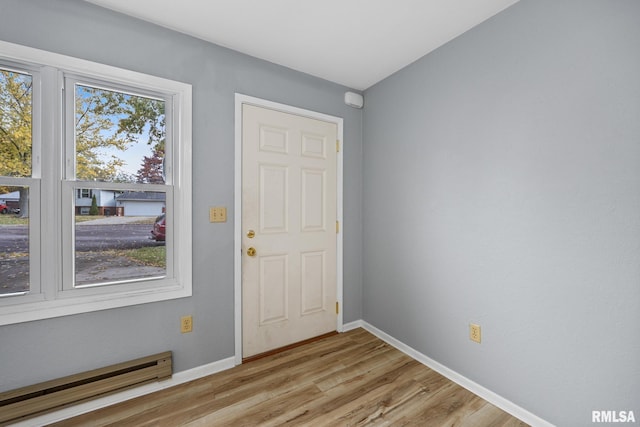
<point>110,202</point>
<point>106,200</point>
<point>12,200</point>
<point>141,203</point>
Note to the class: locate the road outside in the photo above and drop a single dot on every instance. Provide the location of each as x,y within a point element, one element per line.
<point>100,245</point>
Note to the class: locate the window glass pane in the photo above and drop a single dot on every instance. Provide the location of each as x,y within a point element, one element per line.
<point>15,124</point>
<point>14,240</point>
<point>119,236</point>
<point>118,137</point>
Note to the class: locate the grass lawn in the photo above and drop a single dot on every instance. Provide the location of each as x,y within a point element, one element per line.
<point>10,219</point>
<point>155,256</point>
<point>12,255</point>
<point>84,218</point>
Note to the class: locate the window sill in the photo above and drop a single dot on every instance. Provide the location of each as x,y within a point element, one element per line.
<point>30,311</point>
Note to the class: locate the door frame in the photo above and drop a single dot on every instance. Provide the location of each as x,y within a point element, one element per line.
<point>240,100</point>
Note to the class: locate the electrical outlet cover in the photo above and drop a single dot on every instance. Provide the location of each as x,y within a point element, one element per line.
<point>475,333</point>
<point>186,324</point>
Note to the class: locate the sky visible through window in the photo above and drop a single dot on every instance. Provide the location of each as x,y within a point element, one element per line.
<point>131,156</point>
<point>119,137</point>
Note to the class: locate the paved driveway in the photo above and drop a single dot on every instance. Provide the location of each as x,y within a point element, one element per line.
<point>90,236</point>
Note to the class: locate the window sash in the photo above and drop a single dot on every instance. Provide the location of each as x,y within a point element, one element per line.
<point>71,185</point>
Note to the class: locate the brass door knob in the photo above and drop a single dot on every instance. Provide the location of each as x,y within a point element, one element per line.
<point>251,251</point>
<point>251,234</point>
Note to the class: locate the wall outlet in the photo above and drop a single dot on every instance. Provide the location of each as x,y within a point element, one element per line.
<point>474,333</point>
<point>186,324</point>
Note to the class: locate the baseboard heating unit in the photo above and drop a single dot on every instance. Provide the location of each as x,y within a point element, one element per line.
<point>36,399</point>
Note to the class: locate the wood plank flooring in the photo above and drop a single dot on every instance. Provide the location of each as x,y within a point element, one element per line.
<point>350,379</point>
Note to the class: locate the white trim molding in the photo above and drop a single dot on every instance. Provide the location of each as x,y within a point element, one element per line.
<point>352,325</point>
<point>488,395</point>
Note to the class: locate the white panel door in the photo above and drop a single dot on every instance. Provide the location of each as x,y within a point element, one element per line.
<point>289,209</point>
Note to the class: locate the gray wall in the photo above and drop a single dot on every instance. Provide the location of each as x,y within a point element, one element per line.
<point>41,350</point>
<point>508,166</point>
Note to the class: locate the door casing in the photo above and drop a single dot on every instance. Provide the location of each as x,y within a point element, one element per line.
<point>241,99</point>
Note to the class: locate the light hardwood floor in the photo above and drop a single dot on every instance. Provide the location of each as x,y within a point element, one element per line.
<point>350,379</point>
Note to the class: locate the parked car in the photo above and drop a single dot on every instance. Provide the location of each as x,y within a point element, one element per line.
<point>3,208</point>
<point>159,228</point>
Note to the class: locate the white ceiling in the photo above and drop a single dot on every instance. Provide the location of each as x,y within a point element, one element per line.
<point>355,43</point>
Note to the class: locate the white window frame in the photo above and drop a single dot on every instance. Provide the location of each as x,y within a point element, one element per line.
<point>52,293</point>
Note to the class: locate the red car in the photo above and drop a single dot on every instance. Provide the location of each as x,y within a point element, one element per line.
<point>159,227</point>
<point>4,209</point>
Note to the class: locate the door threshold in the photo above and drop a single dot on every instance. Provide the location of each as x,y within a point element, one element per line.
<point>287,347</point>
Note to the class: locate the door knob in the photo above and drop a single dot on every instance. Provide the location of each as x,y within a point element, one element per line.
<point>251,234</point>
<point>251,251</point>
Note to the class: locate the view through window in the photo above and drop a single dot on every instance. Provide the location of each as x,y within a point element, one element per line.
<point>16,97</point>
<point>120,138</point>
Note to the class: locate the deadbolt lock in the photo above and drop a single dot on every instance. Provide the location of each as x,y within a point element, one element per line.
<point>251,251</point>
<point>251,234</point>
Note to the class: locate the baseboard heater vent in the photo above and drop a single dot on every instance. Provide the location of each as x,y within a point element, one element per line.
<point>51,395</point>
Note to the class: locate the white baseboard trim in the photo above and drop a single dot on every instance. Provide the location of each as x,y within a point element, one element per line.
<point>488,395</point>
<point>83,408</point>
<point>352,325</point>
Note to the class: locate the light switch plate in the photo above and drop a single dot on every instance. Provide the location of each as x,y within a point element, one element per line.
<point>218,214</point>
